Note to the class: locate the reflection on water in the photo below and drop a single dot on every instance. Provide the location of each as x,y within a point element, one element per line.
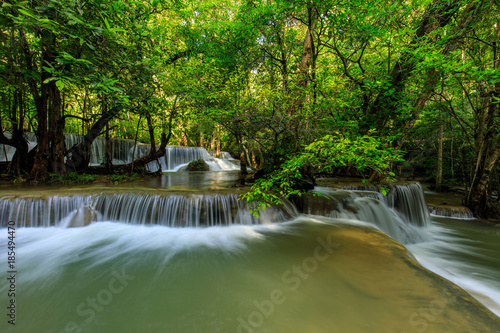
<point>172,181</point>
<point>210,180</point>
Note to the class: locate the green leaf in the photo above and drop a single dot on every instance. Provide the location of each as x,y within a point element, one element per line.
<point>60,84</point>
<point>106,23</point>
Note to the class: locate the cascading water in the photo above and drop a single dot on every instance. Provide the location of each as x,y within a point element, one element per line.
<point>223,155</point>
<point>391,213</point>
<point>119,149</point>
<point>403,215</point>
<point>7,152</point>
<point>407,200</point>
<point>125,151</point>
<point>465,253</point>
<point>176,158</point>
<point>166,210</point>
<point>134,269</point>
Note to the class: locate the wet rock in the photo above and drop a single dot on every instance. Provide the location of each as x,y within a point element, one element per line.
<point>198,165</point>
<point>81,217</point>
<point>448,211</point>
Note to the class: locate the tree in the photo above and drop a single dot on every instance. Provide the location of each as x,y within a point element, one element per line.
<point>366,154</point>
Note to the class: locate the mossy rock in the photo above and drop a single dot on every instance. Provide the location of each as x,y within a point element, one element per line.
<point>198,165</point>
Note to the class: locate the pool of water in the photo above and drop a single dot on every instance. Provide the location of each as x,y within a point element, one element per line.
<point>304,274</point>
<point>307,275</point>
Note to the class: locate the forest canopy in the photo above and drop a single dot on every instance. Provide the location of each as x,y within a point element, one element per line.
<point>394,88</point>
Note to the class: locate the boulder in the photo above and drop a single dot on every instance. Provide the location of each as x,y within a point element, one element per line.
<point>198,165</point>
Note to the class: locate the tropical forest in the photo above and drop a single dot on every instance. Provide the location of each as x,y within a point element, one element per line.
<point>250,166</point>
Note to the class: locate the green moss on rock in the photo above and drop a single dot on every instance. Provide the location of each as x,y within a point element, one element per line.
<point>198,165</point>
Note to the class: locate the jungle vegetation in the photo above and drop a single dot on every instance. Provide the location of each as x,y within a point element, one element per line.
<point>373,88</point>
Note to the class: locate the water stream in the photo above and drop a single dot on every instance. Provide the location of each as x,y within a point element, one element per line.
<point>125,151</point>
<point>156,258</point>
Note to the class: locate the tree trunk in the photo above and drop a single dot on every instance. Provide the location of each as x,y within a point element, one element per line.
<point>290,143</point>
<point>487,149</point>
<point>217,151</point>
<point>212,141</point>
<point>57,147</point>
<point>20,162</point>
<point>304,77</point>
<point>439,174</point>
<point>487,155</point>
<point>79,155</point>
<point>438,14</point>
<point>254,159</point>
<point>243,163</point>
<point>41,164</point>
<point>153,155</point>
<point>466,18</point>
<point>109,153</point>
<point>480,201</point>
<point>143,161</point>
<point>183,135</point>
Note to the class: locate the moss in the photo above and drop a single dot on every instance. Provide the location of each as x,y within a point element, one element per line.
<point>198,165</point>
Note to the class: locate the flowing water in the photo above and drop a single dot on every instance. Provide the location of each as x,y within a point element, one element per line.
<point>465,253</point>
<point>157,259</point>
<point>125,151</point>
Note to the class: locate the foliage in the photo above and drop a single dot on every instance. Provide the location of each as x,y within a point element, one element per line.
<point>73,177</point>
<point>117,178</point>
<point>273,81</point>
<point>365,154</point>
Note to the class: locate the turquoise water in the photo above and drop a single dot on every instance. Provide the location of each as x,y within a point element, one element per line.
<point>309,275</point>
<point>466,252</point>
<point>304,274</point>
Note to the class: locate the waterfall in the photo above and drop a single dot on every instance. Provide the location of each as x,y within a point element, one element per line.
<point>137,151</point>
<point>125,151</point>
<point>401,213</point>
<point>223,155</point>
<point>407,200</point>
<point>7,152</point>
<point>120,149</point>
<point>393,214</point>
<point>32,211</point>
<point>190,246</point>
<point>176,158</point>
<point>169,210</point>
<point>451,212</point>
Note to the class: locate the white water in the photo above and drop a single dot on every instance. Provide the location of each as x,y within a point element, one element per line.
<point>125,151</point>
<point>461,213</point>
<point>461,259</point>
<point>380,211</point>
<point>168,210</point>
<point>438,247</point>
<point>177,158</point>
<point>54,262</point>
<point>47,251</point>
<point>7,152</point>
